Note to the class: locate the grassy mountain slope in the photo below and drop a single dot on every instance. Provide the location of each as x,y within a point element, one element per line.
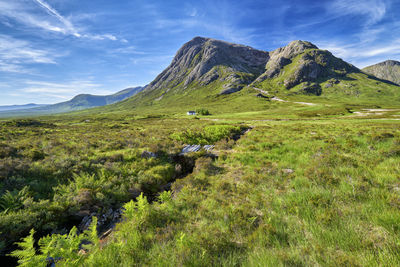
<point>388,70</point>
<point>317,72</point>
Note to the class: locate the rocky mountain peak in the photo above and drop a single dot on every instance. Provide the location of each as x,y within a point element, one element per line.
<point>308,64</point>
<point>293,49</point>
<point>196,60</point>
<point>390,63</point>
<point>283,56</point>
<point>388,70</point>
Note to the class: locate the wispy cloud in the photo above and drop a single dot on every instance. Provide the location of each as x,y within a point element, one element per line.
<point>15,54</point>
<point>372,41</point>
<point>220,19</point>
<point>363,55</point>
<point>373,10</point>
<point>192,11</point>
<point>50,20</point>
<point>132,50</point>
<point>24,14</point>
<point>10,67</point>
<point>152,59</point>
<point>69,28</point>
<point>61,90</point>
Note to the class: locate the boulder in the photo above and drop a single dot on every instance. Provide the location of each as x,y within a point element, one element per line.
<point>262,96</point>
<point>231,90</point>
<point>148,154</point>
<point>287,171</point>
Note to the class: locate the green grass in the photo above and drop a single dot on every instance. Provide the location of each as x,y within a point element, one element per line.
<point>338,204</point>
<point>297,192</point>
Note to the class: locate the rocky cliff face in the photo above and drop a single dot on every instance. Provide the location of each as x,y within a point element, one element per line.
<point>388,70</point>
<point>197,60</point>
<point>283,56</point>
<point>304,62</point>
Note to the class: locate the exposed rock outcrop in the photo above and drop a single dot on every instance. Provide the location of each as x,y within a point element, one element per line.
<point>283,56</point>
<point>312,65</point>
<point>388,70</point>
<point>199,59</point>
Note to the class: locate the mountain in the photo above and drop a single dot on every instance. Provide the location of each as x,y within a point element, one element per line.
<point>388,70</point>
<point>302,63</point>
<point>203,61</point>
<point>84,101</point>
<point>79,102</point>
<point>206,71</point>
<point>17,107</point>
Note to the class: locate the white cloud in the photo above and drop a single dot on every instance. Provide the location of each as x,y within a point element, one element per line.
<point>15,53</point>
<point>152,59</point>
<point>10,67</point>
<point>63,90</point>
<point>68,27</point>
<point>127,50</point>
<point>221,19</point>
<point>363,54</point>
<point>101,37</point>
<point>26,15</point>
<point>193,12</point>
<point>50,20</point>
<point>374,10</point>
<point>373,42</point>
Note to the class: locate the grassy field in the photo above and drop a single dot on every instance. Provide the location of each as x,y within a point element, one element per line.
<point>287,193</point>
<point>307,185</point>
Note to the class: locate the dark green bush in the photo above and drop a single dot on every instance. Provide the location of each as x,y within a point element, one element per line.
<point>7,151</point>
<point>36,155</point>
<point>207,135</point>
<point>203,111</point>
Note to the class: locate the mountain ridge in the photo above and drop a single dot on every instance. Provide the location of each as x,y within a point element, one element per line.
<point>195,61</point>
<point>78,102</point>
<point>387,70</point>
<point>17,107</point>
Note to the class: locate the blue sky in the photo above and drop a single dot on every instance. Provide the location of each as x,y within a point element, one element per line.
<point>51,50</point>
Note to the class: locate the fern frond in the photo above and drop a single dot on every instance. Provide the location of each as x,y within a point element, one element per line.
<point>26,254</point>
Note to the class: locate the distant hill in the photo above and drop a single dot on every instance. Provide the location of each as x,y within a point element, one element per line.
<point>388,70</point>
<point>17,107</point>
<point>79,102</point>
<point>206,72</point>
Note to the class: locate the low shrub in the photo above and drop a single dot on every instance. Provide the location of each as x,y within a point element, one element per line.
<point>203,111</point>
<point>208,135</point>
